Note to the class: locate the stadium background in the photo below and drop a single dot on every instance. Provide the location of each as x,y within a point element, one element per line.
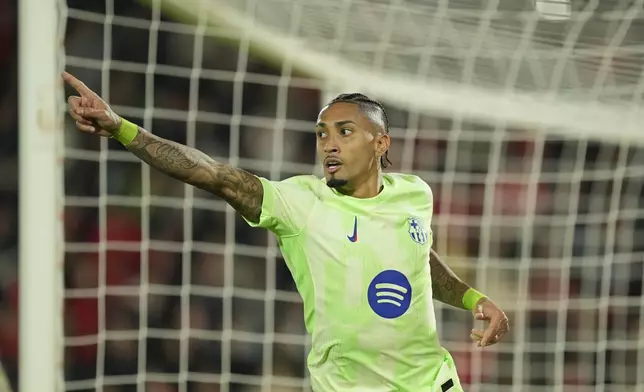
<point>458,239</point>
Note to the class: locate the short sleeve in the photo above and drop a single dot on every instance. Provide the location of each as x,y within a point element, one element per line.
<point>286,207</point>
<point>426,205</point>
<point>421,194</point>
<point>430,202</point>
<point>430,214</point>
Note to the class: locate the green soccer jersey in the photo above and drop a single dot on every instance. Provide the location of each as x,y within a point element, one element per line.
<point>361,267</point>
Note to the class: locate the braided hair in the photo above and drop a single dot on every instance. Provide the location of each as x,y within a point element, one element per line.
<point>367,105</point>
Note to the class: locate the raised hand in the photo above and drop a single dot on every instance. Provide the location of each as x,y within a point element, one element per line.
<point>498,326</point>
<point>92,114</point>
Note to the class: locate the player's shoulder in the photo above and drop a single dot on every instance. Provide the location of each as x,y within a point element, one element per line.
<point>410,184</point>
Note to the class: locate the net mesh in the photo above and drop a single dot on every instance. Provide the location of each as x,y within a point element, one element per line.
<point>494,60</point>
<point>167,289</point>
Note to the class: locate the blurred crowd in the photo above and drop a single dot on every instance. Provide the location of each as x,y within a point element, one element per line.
<point>552,228</point>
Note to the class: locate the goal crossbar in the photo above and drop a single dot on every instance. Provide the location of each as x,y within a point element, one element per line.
<point>567,117</point>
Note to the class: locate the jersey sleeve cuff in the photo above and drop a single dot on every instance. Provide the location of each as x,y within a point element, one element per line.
<point>268,201</point>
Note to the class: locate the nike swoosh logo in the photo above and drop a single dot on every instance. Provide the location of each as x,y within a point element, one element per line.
<point>354,237</point>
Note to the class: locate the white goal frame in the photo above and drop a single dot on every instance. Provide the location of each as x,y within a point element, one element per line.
<point>40,196</point>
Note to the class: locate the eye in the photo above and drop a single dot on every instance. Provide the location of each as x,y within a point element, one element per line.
<point>322,134</point>
<point>346,131</point>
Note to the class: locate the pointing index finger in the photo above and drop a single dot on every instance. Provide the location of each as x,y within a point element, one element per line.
<point>76,84</point>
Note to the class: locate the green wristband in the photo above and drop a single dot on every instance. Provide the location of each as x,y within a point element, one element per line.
<point>471,298</point>
<point>126,132</point>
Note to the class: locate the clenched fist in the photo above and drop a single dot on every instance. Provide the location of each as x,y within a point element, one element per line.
<point>91,113</point>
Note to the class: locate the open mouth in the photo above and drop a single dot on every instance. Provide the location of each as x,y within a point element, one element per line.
<point>332,165</point>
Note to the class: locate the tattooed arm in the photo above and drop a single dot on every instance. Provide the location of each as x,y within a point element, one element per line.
<point>242,190</point>
<point>446,286</point>
<point>449,289</point>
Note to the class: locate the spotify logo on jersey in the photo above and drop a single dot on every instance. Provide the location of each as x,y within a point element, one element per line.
<point>389,294</point>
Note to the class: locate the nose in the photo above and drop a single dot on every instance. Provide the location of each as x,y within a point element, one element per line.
<point>331,147</point>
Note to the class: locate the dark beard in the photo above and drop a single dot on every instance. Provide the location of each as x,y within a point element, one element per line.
<point>336,183</point>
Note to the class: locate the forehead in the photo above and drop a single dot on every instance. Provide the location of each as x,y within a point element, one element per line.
<point>347,111</point>
<point>341,111</point>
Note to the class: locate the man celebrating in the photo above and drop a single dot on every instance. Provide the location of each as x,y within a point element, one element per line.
<point>357,243</point>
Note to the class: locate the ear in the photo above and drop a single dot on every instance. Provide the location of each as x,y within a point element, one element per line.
<point>383,141</point>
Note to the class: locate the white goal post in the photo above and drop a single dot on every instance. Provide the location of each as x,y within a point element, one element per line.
<point>40,196</point>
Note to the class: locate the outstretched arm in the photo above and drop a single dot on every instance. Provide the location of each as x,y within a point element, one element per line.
<point>450,289</point>
<point>242,190</point>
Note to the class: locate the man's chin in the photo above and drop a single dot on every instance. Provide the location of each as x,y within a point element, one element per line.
<point>333,182</point>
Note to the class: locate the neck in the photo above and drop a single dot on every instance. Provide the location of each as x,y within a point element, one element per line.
<point>367,188</point>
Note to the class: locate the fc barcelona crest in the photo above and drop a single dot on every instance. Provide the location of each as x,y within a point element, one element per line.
<point>417,231</point>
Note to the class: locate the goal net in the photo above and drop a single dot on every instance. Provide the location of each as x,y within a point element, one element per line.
<point>525,117</point>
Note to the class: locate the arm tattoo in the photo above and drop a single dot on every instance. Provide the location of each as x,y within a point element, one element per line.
<point>446,286</point>
<point>242,190</point>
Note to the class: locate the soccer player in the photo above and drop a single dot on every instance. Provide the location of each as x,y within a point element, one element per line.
<point>358,244</point>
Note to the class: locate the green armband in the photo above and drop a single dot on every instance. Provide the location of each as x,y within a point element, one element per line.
<point>126,132</point>
<point>471,298</point>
